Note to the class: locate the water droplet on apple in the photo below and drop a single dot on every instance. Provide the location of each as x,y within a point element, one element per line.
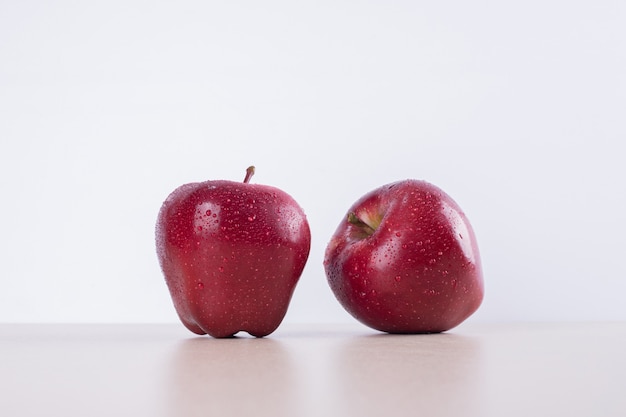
<point>200,285</point>
<point>208,212</point>
<point>398,278</point>
<point>398,234</point>
<point>440,253</point>
<point>432,261</point>
<point>199,228</point>
<point>453,283</point>
<point>221,269</point>
<point>362,294</point>
<point>251,218</point>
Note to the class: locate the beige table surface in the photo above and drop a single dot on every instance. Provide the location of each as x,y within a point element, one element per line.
<point>549,369</point>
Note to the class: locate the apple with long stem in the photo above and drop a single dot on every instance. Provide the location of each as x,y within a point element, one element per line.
<point>405,260</point>
<point>232,254</point>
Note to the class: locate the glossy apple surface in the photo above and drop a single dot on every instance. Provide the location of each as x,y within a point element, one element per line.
<point>405,260</point>
<point>232,254</point>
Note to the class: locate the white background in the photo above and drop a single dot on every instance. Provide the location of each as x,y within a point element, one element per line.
<point>516,109</point>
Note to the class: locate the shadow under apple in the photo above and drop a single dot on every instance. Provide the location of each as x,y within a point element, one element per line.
<point>235,376</point>
<point>385,374</point>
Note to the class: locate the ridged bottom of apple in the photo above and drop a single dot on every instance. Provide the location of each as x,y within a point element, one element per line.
<point>226,334</point>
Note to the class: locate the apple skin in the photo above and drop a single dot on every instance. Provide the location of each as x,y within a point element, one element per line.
<point>232,254</point>
<point>405,260</point>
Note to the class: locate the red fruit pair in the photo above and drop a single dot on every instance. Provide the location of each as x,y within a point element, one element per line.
<point>403,260</point>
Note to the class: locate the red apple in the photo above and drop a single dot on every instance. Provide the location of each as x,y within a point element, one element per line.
<point>405,260</point>
<point>232,254</point>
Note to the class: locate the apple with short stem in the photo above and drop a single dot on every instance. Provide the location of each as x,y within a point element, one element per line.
<point>405,260</point>
<point>232,254</point>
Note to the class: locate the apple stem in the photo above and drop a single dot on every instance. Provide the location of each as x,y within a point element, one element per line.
<point>354,219</point>
<point>249,174</point>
